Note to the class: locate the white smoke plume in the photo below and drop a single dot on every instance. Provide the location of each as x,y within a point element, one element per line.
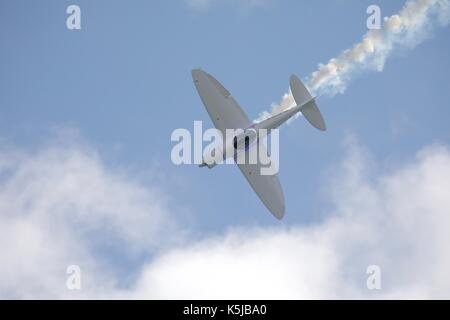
<point>406,29</point>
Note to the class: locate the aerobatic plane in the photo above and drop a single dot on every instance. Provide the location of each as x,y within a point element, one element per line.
<point>225,113</point>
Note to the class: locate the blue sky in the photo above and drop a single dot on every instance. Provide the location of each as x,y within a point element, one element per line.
<point>123,83</point>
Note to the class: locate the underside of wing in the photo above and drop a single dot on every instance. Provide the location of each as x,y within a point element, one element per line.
<point>267,187</point>
<point>223,110</point>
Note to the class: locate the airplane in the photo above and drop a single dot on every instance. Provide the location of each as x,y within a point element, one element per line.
<point>225,113</point>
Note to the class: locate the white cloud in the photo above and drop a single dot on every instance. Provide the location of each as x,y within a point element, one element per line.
<point>62,205</point>
<point>399,221</point>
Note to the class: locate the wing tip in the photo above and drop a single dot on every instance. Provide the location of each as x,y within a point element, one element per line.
<point>278,211</point>
<point>322,127</point>
<point>196,72</point>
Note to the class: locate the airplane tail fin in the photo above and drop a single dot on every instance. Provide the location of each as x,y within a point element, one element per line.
<point>307,103</point>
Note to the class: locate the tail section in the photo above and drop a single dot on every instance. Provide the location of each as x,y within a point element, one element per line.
<point>307,103</point>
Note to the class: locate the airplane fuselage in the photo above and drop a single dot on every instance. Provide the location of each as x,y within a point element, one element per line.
<point>244,139</point>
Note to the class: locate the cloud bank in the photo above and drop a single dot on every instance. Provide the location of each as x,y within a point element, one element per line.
<point>63,205</point>
<point>405,30</point>
<point>399,221</point>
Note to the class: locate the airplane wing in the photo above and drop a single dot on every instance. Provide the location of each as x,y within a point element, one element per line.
<point>225,113</point>
<point>223,110</point>
<point>267,187</point>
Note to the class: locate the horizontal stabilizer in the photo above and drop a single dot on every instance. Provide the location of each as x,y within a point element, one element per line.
<point>313,115</point>
<point>299,91</point>
<point>307,103</point>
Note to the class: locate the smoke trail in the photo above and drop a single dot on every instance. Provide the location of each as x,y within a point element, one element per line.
<point>406,29</point>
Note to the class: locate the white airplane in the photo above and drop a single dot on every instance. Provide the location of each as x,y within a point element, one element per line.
<point>225,113</point>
